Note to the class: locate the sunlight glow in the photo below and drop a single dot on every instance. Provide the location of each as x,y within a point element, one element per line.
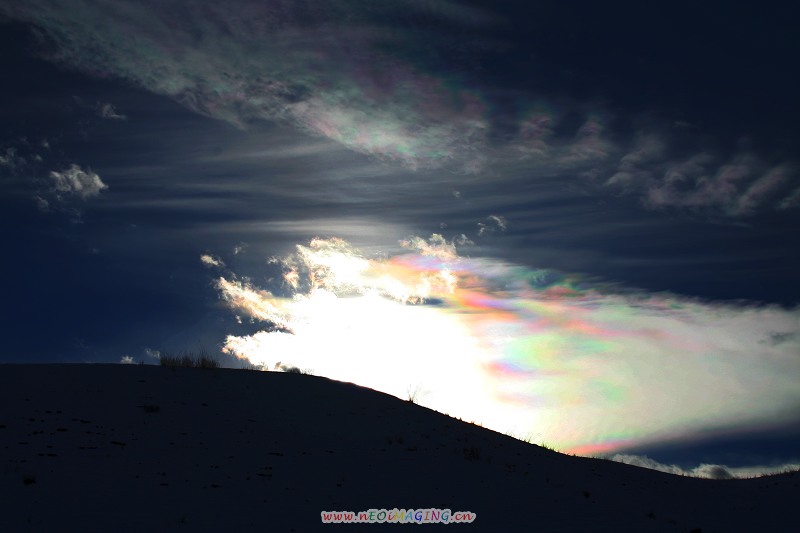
<point>589,368</point>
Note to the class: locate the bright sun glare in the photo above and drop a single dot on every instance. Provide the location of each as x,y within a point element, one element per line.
<point>515,349</point>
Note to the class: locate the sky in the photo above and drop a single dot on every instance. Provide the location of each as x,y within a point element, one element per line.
<point>575,224</point>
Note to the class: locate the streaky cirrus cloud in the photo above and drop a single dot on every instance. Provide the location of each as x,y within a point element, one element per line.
<point>593,368</point>
<point>323,67</point>
<point>349,72</point>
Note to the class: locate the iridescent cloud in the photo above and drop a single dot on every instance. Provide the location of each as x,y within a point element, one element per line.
<point>591,368</point>
<point>322,68</point>
<point>348,72</point>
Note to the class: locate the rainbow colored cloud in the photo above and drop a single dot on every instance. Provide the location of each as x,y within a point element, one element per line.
<point>591,368</point>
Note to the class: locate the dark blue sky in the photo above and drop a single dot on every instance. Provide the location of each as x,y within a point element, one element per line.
<point>648,149</point>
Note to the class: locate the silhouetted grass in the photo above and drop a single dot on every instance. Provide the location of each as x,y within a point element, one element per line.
<point>188,360</point>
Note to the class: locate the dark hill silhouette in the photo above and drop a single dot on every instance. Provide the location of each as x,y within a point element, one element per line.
<point>147,448</point>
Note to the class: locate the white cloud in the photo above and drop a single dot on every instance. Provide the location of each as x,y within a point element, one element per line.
<point>77,182</point>
<point>493,224</point>
<point>244,298</point>
<point>126,360</point>
<point>463,240</point>
<point>211,261</point>
<point>435,246</point>
<point>582,364</point>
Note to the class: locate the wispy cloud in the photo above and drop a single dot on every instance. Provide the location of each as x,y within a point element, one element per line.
<point>636,167</point>
<point>107,110</point>
<point>242,297</point>
<point>211,261</point>
<point>10,160</point>
<point>741,186</point>
<point>493,223</point>
<point>276,63</point>
<point>791,201</point>
<point>590,144</point>
<point>20,156</point>
<point>344,73</point>
<point>712,471</point>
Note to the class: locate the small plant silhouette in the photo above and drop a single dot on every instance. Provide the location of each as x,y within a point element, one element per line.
<point>472,453</point>
<point>188,360</point>
<point>415,394</point>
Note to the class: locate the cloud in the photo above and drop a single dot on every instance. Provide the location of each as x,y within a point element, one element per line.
<point>10,160</point>
<point>107,110</point>
<point>593,367</point>
<point>75,181</point>
<point>41,203</point>
<point>59,190</point>
<point>358,78</point>
<point>775,339</point>
<point>590,144</point>
<point>791,201</point>
<point>493,223</point>
<point>152,353</point>
<point>241,296</point>
<point>211,261</point>
<point>711,471</point>
<point>18,157</point>
<point>740,187</point>
<point>126,360</point>
<point>326,69</point>
<point>733,185</point>
<point>760,190</point>
<point>463,240</point>
<point>436,246</point>
<point>536,132</point>
<point>635,167</point>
